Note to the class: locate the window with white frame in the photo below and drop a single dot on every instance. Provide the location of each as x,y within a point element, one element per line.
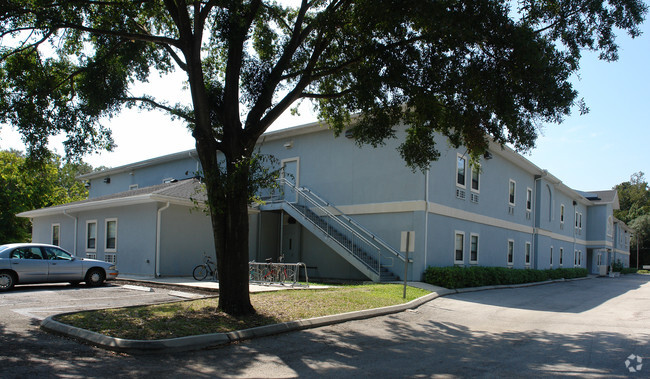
<point>527,253</point>
<point>551,257</point>
<point>111,235</point>
<point>56,234</point>
<point>575,258</point>
<point>476,173</point>
<point>459,247</point>
<point>473,248</point>
<point>562,214</point>
<point>580,221</point>
<point>91,255</point>
<point>599,259</point>
<point>510,259</point>
<point>561,256</point>
<point>529,199</point>
<point>576,220</point>
<point>133,187</point>
<point>91,235</point>
<point>579,258</point>
<point>461,164</point>
<point>512,187</point>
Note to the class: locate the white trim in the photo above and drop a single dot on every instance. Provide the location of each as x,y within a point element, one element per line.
<point>52,234</point>
<point>89,249</point>
<point>471,178</point>
<point>514,192</point>
<point>106,248</point>
<point>456,233</point>
<point>471,235</point>
<point>460,156</point>
<point>292,159</point>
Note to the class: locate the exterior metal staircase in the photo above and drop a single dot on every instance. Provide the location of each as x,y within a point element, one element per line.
<point>361,248</point>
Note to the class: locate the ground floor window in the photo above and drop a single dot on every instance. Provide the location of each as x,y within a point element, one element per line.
<point>473,248</point>
<point>56,234</point>
<point>551,257</point>
<point>511,253</point>
<point>527,253</point>
<point>561,255</point>
<point>91,235</point>
<point>459,247</point>
<point>111,234</point>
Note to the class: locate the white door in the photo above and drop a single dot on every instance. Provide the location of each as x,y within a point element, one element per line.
<point>290,173</point>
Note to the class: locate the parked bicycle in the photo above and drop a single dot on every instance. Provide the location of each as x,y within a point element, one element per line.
<point>275,273</point>
<point>207,268</point>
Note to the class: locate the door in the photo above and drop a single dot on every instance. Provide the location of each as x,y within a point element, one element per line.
<point>291,240</point>
<point>62,266</point>
<point>290,173</point>
<point>30,265</point>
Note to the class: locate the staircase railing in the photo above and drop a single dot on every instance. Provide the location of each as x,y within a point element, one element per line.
<point>344,234</point>
<point>360,228</point>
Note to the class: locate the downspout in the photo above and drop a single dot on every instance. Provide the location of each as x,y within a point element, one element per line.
<point>158,227</point>
<point>76,225</point>
<point>426,216</point>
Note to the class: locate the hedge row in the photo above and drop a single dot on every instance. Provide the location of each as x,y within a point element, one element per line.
<point>477,276</point>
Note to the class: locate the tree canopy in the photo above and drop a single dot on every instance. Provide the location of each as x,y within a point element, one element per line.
<point>470,70</point>
<point>26,186</point>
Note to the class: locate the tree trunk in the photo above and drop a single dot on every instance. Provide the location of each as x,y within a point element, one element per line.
<point>228,202</point>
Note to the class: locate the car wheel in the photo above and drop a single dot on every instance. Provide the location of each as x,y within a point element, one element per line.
<point>95,277</point>
<point>7,281</point>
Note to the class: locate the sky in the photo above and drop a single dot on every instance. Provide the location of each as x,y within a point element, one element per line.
<point>591,152</point>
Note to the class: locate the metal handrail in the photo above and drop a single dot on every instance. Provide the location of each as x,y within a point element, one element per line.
<point>347,228</point>
<point>357,225</point>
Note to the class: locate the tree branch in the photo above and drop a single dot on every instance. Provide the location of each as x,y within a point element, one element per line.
<point>153,103</point>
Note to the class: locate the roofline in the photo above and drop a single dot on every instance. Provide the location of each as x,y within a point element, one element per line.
<point>131,166</point>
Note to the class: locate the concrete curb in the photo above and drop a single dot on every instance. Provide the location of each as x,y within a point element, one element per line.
<point>204,341</point>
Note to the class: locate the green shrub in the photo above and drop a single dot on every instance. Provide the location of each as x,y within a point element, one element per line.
<point>478,276</point>
<point>628,270</point>
<point>643,272</point>
<point>617,266</point>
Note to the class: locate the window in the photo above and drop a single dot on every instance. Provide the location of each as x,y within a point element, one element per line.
<point>511,192</point>
<point>91,236</point>
<point>511,252</point>
<point>459,247</point>
<point>561,255</point>
<point>575,258</point>
<point>562,214</point>
<point>599,259</point>
<point>579,258</point>
<point>527,253</point>
<point>551,257</point>
<point>56,234</point>
<point>580,221</point>
<point>476,172</point>
<point>460,171</point>
<point>529,199</point>
<point>111,235</point>
<point>473,248</point>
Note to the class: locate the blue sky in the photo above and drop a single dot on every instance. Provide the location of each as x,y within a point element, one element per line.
<point>590,152</point>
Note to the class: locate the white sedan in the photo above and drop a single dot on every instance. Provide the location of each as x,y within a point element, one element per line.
<point>25,263</point>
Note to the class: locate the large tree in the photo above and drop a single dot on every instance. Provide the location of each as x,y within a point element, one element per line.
<point>26,185</point>
<point>470,70</point>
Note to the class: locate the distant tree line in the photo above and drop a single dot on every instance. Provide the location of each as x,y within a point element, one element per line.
<point>27,185</point>
<point>634,200</point>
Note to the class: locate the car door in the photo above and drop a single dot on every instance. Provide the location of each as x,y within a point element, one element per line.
<point>63,267</point>
<point>29,264</point>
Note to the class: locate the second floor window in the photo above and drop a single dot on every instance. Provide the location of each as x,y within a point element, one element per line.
<point>511,192</point>
<point>529,199</point>
<point>460,171</point>
<point>476,171</point>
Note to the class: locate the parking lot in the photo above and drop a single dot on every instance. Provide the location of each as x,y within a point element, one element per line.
<point>586,328</point>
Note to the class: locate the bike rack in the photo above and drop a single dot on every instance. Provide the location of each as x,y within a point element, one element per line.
<point>273,273</point>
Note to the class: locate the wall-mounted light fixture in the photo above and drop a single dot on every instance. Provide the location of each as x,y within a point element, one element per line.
<point>487,155</point>
<point>107,180</point>
<point>288,145</point>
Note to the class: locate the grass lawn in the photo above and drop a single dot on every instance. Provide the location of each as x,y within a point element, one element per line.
<point>186,318</point>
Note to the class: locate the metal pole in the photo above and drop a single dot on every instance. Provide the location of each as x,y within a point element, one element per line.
<point>406,261</point>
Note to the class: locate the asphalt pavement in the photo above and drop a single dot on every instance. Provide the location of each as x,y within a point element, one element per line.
<point>589,328</point>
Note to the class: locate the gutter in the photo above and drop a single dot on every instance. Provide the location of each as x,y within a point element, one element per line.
<point>158,227</point>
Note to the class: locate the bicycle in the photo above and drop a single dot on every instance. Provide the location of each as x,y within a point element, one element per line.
<point>208,267</point>
<point>278,273</point>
